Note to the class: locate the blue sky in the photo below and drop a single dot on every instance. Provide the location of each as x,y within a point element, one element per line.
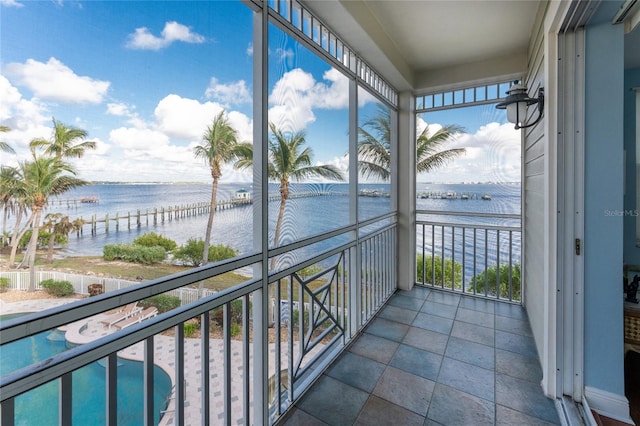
<point>146,78</point>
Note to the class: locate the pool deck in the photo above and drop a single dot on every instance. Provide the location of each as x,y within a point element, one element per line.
<point>91,328</point>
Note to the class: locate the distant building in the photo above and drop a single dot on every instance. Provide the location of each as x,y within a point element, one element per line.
<point>242,194</point>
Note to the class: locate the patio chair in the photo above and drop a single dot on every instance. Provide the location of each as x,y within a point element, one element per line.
<point>126,312</point>
<point>147,313</point>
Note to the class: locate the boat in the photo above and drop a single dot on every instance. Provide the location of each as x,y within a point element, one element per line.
<point>486,197</point>
<point>464,196</point>
<point>89,199</point>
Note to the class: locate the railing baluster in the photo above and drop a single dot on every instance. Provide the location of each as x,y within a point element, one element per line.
<point>424,257</point>
<point>204,367</point>
<point>148,381</point>
<point>486,260</point>
<point>246,341</point>
<point>111,372</point>
<point>65,401</point>
<point>7,412</point>
<point>278,337</point>
<point>433,255</point>
<point>453,258</point>
<point>179,372</point>
<point>226,332</point>
<point>464,258</point>
<point>475,259</point>
<point>442,244</point>
<point>510,266</point>
<point>498,286</point>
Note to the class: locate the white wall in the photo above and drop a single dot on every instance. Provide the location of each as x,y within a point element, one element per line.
<point>534,146</point>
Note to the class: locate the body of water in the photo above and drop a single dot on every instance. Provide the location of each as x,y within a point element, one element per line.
<point>304,216</point>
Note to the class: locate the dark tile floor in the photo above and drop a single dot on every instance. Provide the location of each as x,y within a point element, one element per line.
<point>434,358</point>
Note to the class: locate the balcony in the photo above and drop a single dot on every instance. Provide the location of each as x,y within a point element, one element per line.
<point>341,330</point>
<point>432,357</point>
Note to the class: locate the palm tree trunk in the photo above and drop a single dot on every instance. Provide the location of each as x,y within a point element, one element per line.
<point>207,238</point>
<point>31,250</point>
<point>276,236</point>
<point>5,218</point>
<point>276,240</point>
<point>52,240</point>
<point>17,235</point>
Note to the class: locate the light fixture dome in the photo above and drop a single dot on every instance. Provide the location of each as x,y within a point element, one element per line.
<point>518,101</point>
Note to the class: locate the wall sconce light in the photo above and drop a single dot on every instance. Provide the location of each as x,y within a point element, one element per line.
<point>518,101</point>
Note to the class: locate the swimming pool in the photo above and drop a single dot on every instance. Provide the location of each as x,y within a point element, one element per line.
<point>40,406</point>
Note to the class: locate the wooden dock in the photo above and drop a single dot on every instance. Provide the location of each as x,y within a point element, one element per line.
<point>154,216</point>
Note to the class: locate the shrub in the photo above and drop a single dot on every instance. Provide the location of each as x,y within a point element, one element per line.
<point>217,315</point>
<point>4,284</point>
<point>235,329</point>
<point>449,275</point>
<point>134,253</point>
<point>43,238</point>
<point>190,329</point>
<point>153,240</point>
<point>164,302</point>
<point>220,252</point>
<point>477,283</point>
<point>309,271</point>
<point>191,252</point>
<point>57,288</point>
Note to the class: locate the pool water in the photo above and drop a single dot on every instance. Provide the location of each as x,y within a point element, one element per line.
<point>40,406</point>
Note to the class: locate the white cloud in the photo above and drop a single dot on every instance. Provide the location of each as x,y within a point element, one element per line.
<point>341,163</point>
<point>284,54</point>
<point>185,118</point>
<point>243,125</point>
<point>118,109</point>
<point>147,145</point>
<point>55,81</point>
<point>139,139</point>
<point>235,93</point>
<point>143,39</point>
<point>250,49</point>
<point>297,93</point>
<point>492,154</point>
<point>10,3</point>
<point>27,119</point>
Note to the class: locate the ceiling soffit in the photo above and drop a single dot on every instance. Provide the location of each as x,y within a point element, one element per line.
<point>420,44</point>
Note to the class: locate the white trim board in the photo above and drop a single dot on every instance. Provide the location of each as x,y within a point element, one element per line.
<point>608,404</point>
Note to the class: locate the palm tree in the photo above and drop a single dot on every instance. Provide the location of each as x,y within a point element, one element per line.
<point>7,201</point>
<point>67,142</point>
<point>38,180</point>
<point>3,145</point>
<point>429,157</point>
<point>220,142</point>
<point>59,225</point>
<point>374,147</point>
<point>288,160</point>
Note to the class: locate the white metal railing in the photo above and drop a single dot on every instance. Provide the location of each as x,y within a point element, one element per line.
<point>215,372</point>
<point>473,253</point>
<point>476,95</point>
<point>19,280</point>
<point>319,310</point>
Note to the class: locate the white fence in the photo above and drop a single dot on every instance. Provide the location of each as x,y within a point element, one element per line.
<point>19,280</point>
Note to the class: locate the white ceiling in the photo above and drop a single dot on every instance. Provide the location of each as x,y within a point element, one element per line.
<point>432,43</point>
